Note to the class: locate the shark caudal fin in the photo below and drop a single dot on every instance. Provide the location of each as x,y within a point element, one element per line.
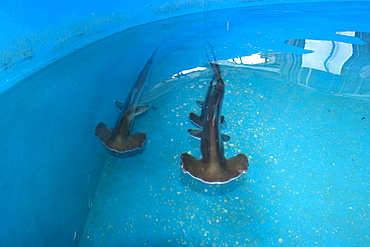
<point>214,174</point>
<point>119,143</point>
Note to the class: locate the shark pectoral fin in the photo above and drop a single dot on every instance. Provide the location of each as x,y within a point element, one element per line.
<point>140,109</point>
<point>119,105</point>
<point>222,119</point>
<point>237,165</point>
<point>225,138</point>
<point>200,103</point>
<point>123,144</point>
<point>196,119</point>
<point>103,132</point>
<point>195,133</point>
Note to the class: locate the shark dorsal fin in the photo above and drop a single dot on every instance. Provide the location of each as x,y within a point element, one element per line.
<point>196,119</point>
<point>200,103</point>
<point>197,133</point>
<point>119,105</point>
<point>140,109</point>
<point>225,138</point>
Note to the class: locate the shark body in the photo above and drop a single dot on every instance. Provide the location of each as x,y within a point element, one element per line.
<point>213,168</point>
<point>120,139</point>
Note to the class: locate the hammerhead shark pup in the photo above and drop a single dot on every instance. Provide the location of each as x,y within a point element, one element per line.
<point>213,168</point>
<point>120,139</point>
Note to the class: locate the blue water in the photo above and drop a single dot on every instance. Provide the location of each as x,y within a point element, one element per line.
<point>301,119</point>
<point>303,125</point>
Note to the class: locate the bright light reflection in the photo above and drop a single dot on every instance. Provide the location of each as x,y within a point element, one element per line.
<point>252,59</point>
<point>187,71</point>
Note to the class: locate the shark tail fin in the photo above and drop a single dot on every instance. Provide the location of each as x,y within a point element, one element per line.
<point>122,144</point>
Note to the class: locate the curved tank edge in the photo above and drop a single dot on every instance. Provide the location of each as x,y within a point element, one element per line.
<point>24,55</point>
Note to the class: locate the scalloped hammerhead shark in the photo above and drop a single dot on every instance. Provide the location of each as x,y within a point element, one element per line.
<point>120,139</point>
<point>213,168</point>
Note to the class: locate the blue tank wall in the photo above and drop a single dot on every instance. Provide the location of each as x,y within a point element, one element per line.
<point>44,196</point>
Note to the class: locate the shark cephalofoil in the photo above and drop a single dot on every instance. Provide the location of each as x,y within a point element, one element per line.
<point>213,168</point>
<point>120,139</point>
